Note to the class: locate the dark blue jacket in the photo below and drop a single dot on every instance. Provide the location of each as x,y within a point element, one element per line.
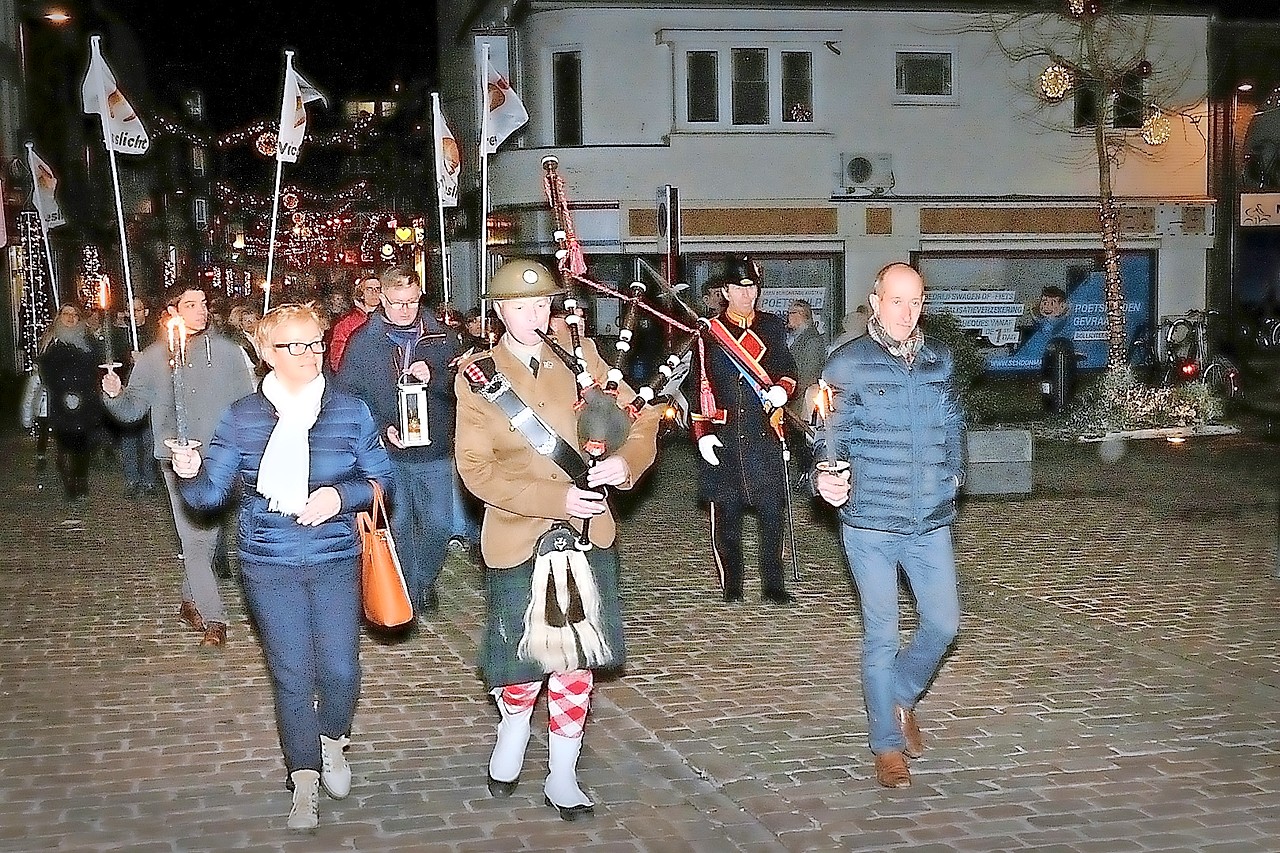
<point>901,429</point>
<point>371,368</point>
<point>345,453</point>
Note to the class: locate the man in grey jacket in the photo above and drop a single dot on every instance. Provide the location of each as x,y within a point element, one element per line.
<point>894,467</point>
<point>215,374</point>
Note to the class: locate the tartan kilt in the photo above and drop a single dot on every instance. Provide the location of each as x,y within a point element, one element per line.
<point>507,596</point>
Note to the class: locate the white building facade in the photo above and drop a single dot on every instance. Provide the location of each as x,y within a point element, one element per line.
<point>827,140</point>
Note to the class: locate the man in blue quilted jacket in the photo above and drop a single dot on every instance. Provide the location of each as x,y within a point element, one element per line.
<point>897,432</point>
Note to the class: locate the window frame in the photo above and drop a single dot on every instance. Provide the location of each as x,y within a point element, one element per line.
<point>1111,105</point>
<point>901,98</point>
<point>723,43</point>
<point>557,112</point>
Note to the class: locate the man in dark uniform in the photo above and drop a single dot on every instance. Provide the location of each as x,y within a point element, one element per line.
<point>738,438</point>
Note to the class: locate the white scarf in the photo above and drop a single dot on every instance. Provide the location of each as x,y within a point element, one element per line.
<point>286,463</point>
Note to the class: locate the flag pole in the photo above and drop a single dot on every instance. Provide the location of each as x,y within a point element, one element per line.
<point>445,281</point>
<point>105,115</point>
<point>483,256</point>
<point>44,232</point>
<point>275,196</point>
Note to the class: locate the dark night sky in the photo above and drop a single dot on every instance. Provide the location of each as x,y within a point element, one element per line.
<point>233,49</point>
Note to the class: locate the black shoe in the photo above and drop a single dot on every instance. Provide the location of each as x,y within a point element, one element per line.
<point>571,813</point>
<point>778,596</point>
<point>732,596</point>
<point>502,789</point>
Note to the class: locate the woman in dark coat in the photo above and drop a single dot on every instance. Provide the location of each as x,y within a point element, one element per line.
<point>302,457</point>
<point>69,370</point>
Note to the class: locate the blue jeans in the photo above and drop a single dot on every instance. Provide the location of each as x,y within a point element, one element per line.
<point>308,618</point>
<point>137,454</point>
<point>894,674</point>
<point>421,515</point>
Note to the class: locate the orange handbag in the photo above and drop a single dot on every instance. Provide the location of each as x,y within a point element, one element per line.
<point>384,592</point>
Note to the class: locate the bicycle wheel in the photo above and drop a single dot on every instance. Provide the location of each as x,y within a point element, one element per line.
<point>1222,378</point>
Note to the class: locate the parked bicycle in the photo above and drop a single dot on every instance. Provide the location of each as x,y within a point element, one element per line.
<point>1189,355</point>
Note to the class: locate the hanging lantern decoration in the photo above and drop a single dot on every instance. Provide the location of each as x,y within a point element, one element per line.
<point>1156,127</point>
<point>290,200</point>
<point>1144,68</point>
<point>266,143</point>
<point>1055,82</point>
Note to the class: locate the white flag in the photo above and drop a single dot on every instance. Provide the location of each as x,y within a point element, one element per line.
<point>448,157</point>
<point>505,114</point>
<point>4,226</point>
<point>293,113</point>
<point>44,183</point>
<point>122,130</point>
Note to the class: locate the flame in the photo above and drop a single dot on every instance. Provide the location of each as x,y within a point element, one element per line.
<point>822,401</point>
<point>104,292</point>
<point>177,337</point>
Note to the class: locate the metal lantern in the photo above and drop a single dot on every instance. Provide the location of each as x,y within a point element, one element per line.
<point>414,430</point>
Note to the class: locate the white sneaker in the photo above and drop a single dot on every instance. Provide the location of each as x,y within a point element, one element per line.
<point>336,772</point>
<point>305,813</point>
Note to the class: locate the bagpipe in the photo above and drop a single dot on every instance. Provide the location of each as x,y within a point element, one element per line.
<point>595,423</point>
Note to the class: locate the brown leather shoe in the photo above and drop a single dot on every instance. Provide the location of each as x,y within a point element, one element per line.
<point>191,615</point>
<point>906,720</point>
<point>215,635</point>
<point>891,770</point>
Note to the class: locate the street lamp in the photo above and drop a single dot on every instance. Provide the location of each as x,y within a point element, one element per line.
<point>1233,185</point>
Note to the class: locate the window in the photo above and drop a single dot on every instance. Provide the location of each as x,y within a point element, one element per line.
<point>924,77</point>
<point>797,86</point>
<point>750,85</point>
<point>703,101</point>
<point>747,81</point>
<point>566,95</point>
<point>1126,107</point>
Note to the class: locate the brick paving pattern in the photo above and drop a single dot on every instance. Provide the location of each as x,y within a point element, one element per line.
<point>1115,687</point>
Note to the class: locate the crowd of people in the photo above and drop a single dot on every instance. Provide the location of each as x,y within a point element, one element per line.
<point>506,441</point>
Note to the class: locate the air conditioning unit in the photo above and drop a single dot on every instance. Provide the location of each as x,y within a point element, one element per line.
<point>862,173</point>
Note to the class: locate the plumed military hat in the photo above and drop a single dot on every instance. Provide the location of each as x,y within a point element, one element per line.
<point>740,270</point>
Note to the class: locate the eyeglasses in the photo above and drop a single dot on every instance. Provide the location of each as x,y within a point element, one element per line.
<point>372,288</point>
<point>298,347</point>
<point>402,306</point>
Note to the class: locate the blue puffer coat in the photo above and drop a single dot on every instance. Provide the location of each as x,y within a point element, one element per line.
<point>345,453</point>
<point>901,429</point>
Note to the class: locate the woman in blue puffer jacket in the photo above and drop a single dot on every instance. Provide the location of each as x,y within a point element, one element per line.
<point>303,457</point>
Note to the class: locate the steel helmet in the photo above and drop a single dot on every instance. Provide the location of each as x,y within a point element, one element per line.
<point>519,278</point>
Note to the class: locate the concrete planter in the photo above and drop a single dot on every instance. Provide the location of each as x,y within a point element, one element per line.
<point>998,462</point>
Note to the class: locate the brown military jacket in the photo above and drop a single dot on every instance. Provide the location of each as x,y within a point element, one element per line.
<point>524,492</point>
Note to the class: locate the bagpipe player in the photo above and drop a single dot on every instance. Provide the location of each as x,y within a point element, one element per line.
<point>553,613</point>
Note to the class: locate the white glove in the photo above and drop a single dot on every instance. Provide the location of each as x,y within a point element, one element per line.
<point>707,447</point>
<point>777,396</point>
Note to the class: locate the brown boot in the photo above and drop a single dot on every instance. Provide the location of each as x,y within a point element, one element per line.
<point>891,770</point>
<point>906,720</point>
<point>215,635</point>
<point>190,614</point>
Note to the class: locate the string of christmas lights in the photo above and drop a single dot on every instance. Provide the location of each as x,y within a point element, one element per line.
<point>362,129</point>
<point>291,196</point>
<point>90,270</point>
<point>37,291</point>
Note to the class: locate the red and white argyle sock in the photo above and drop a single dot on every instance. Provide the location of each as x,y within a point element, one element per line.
<point>568,699</point>
<point>520,697</point>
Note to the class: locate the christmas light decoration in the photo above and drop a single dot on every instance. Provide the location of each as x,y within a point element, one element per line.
<point>37,308</point>
<point>90,272</point>
<point>1156,127</point>
<point>1055,82</point>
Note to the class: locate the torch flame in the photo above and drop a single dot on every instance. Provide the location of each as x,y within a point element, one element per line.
<point>177,337</point>
<point>822,402</point>
<point>104,292</point>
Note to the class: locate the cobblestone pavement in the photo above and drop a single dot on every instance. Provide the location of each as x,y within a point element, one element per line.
<point>1115,687</point>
